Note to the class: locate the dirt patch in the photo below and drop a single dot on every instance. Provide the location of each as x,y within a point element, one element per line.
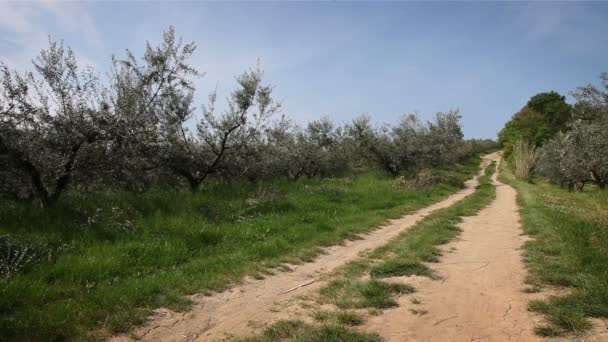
<point>247,308</point>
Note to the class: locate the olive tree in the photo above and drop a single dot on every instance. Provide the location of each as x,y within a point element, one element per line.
<point>562,163</point>
<point>322,143</point>
<point>52,120</point>
<point>579,155</point>
<point>592,102</point>
<point>375,144</point>
<point>411,144</point>
<point>234,133</point>
<point>445,137</point>
<point>320,149</point>
<point>151,100</point>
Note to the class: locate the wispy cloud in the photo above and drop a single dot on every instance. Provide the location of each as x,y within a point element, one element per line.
<point>567,25</point>
<point>25,28</point>
<point>16,18</point>
<point>74,18</point>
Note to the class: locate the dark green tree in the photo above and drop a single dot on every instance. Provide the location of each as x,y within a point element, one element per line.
<point>553,108</point>
<point>539,120</point>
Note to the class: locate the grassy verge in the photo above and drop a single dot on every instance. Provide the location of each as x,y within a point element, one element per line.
<point>570,249</point>
<point>106,261</point>
<point>356,285</point>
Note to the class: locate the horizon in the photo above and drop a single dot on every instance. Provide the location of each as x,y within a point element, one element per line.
<point>345,59</point>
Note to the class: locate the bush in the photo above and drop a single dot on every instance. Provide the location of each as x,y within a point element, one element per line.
<point>427,178</point>
<point>17,256</point>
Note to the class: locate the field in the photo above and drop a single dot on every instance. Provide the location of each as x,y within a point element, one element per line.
<point>105,261</point>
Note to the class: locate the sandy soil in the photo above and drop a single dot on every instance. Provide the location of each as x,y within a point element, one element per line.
<point>247,308</point>
<point>480,297</point>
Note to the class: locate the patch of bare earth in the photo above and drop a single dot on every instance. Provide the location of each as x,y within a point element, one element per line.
<point>247,308</point>
<point>479,297</point>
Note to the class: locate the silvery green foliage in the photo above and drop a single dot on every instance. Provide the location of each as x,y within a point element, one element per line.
<point>580,155</point>
<point>62,128</point>
<point>16,255</point>
<point>560,161</point>
<point>592,102</point>
<point>320,149</point>
<point>475,146</point>
<point>52,122</point>
<point>151,101</point>
<point>322,145</point>
<point>375,144</point>
<point>411,144</point>
<point>231,141</point>
<point>444,137</point>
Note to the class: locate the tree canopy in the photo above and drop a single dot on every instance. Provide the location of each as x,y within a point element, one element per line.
<point>539,120</point>
<point>573,138</point>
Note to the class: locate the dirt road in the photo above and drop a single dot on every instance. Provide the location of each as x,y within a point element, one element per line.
<point>247,308</point>
<point>480,297</point>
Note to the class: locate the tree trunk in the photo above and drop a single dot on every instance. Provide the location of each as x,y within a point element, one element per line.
<point>600,181</point>
<point>193,181</point>
<point>39,189</point>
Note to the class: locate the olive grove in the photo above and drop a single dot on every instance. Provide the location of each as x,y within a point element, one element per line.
<point>63,128</point>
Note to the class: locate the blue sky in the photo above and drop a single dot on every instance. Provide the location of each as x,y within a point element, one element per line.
<point>344,59</point>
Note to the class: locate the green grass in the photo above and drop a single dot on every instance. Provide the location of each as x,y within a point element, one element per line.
<point>341,317</point>
<point>569,249</point>
<point>395,268</point>
<point>351,293</point>
<point>297,331</point>
<point>116,257</point>
<point>547,331</point>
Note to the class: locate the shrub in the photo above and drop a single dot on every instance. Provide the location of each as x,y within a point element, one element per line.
<point>427,178</point>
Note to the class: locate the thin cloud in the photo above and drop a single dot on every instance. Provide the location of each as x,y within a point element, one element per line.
<point>29,26</point>
<point>566,25</point>
<point>15,18</point>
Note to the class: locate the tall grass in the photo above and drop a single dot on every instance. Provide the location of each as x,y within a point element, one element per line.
<point>119,256</point>
<point>525,159</point>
